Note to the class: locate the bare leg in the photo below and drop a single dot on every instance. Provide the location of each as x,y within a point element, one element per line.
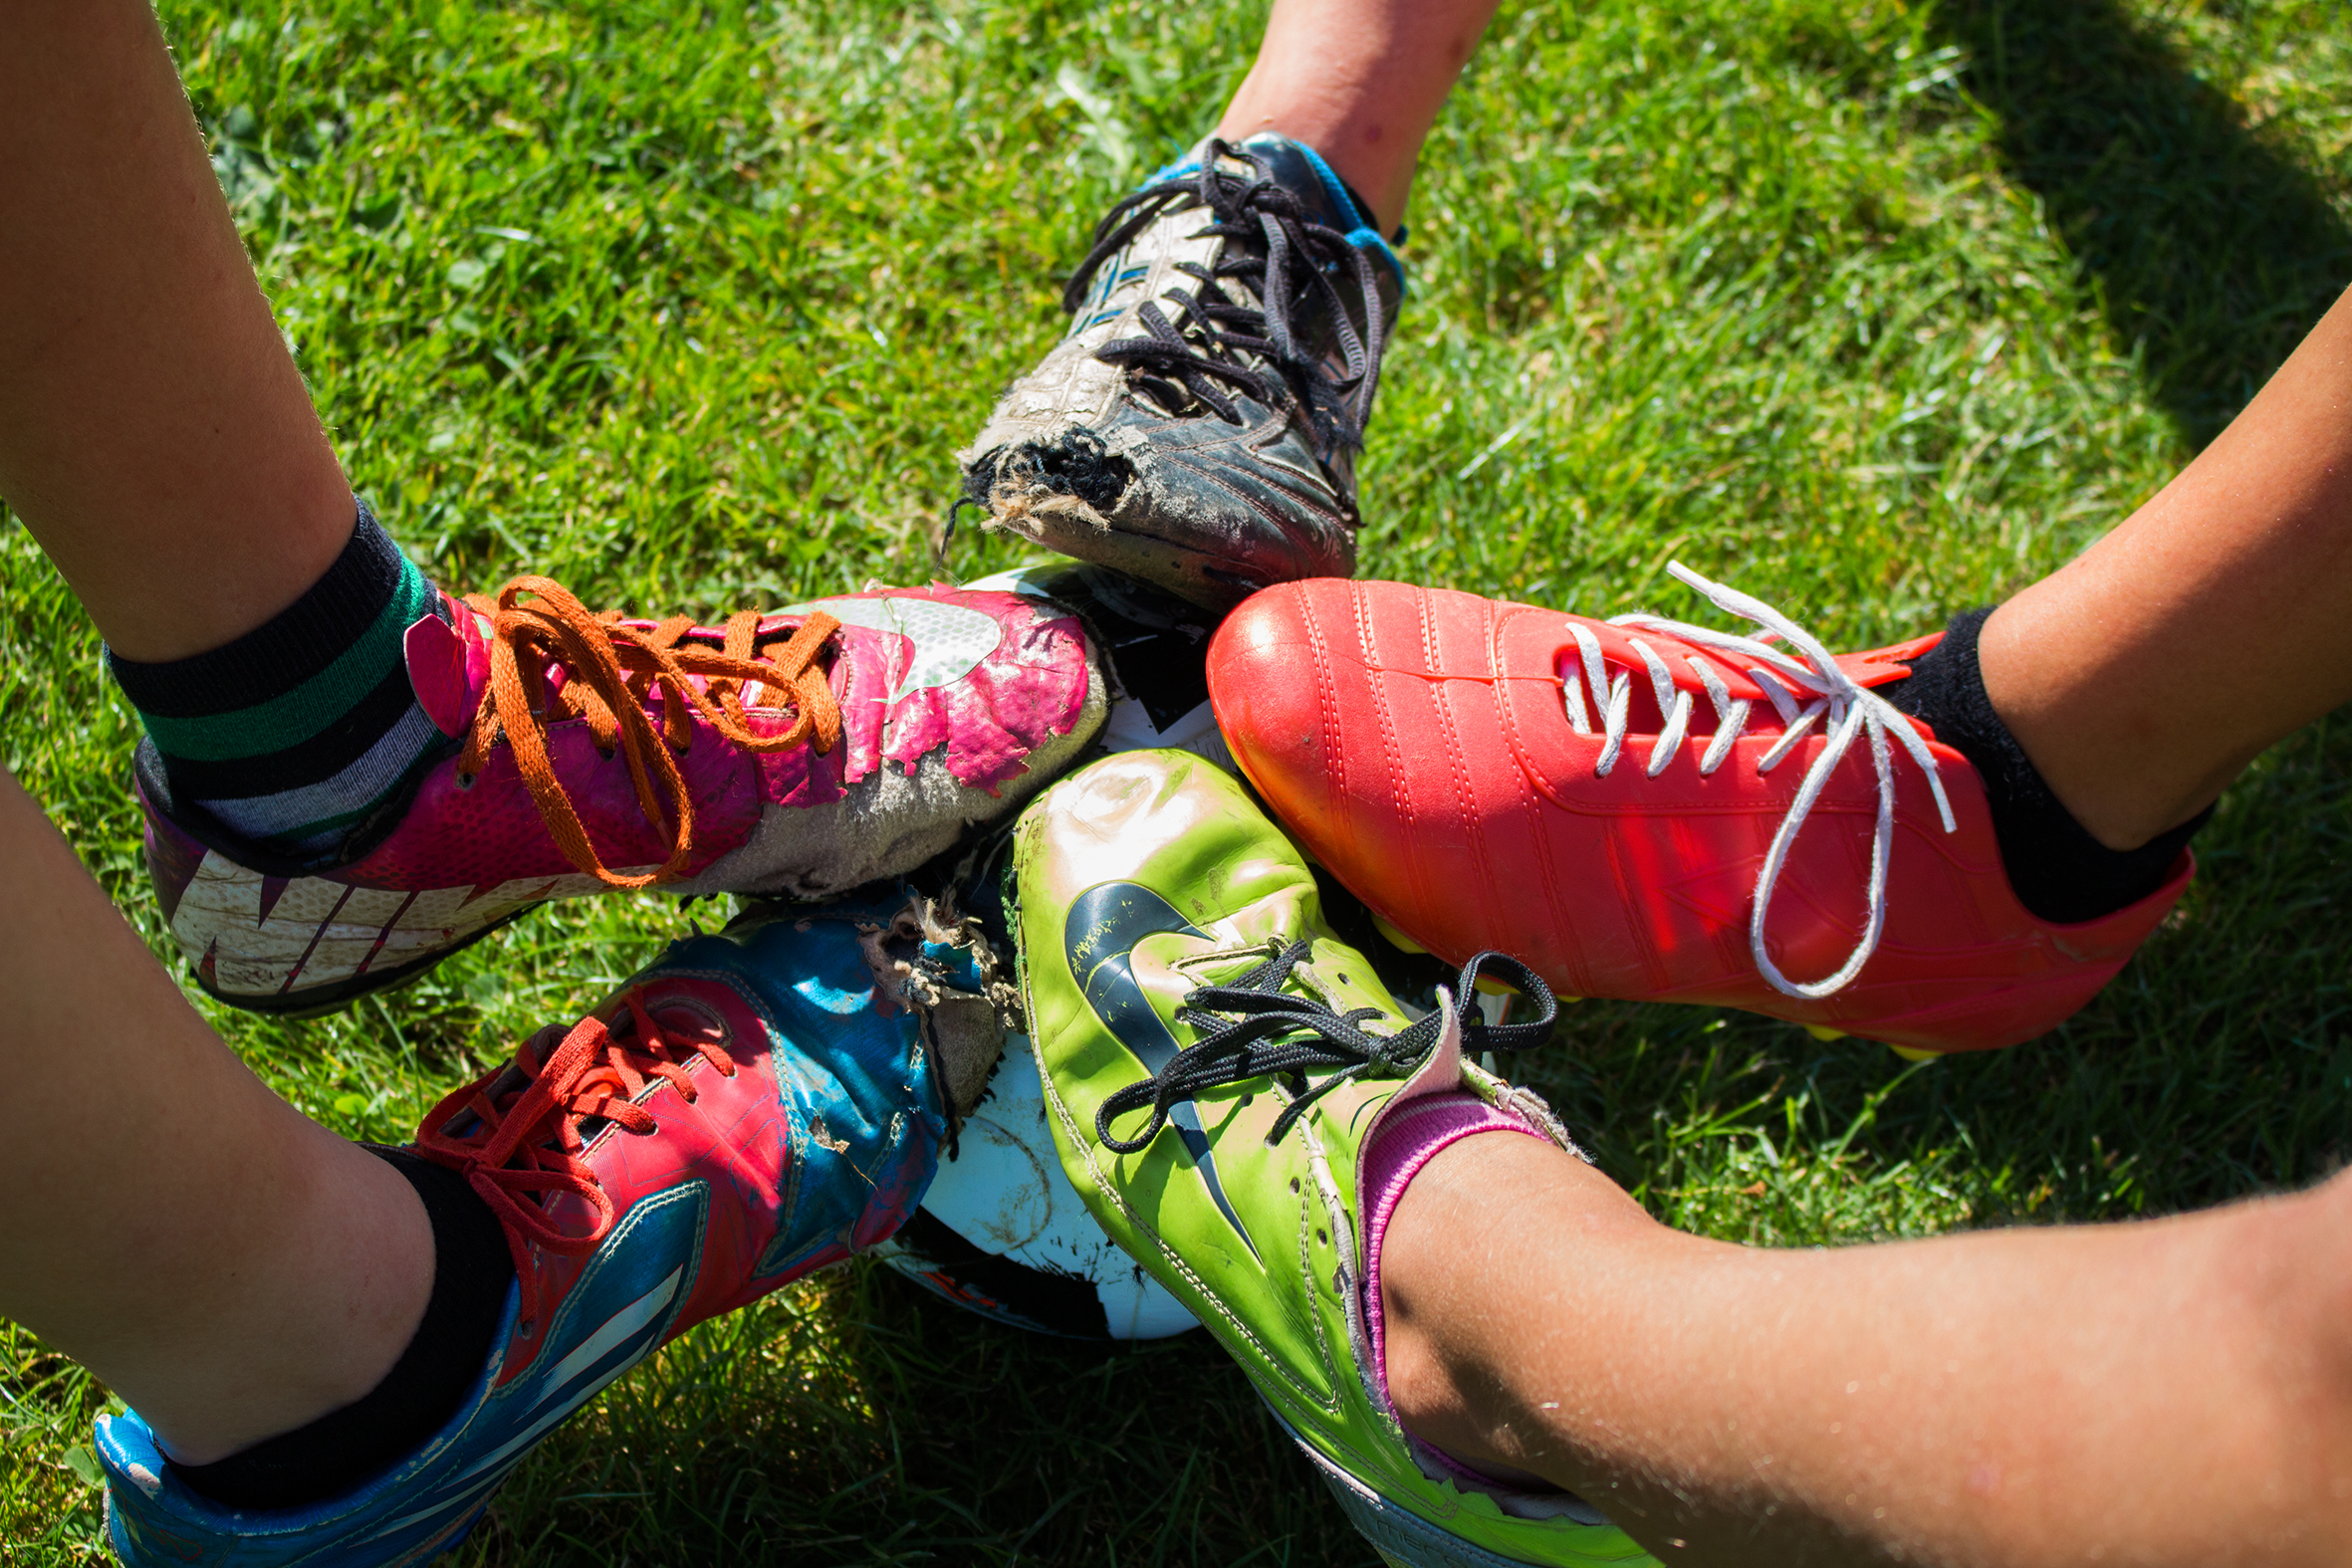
<point>2170,1391</point>
<point>230,1269</point>
<point>154,435</point>
<point>1360,81</point>
<point>2143,676</point>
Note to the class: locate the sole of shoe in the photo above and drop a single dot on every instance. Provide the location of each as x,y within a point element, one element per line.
<point>1078,531</point>
<point>1402,1537</point>
<point>320,1000</point>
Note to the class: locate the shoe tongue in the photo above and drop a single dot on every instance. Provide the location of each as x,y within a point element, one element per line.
<point>1304,174</point>
<point>1439,1073</point>
<point>1327,199</point>
<point>446,670</point>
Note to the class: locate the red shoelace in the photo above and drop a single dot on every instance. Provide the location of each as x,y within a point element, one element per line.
<point>611,672</point>
<point>522,1138</point>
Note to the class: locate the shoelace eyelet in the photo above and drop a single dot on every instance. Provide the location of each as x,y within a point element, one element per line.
<point>612,669</point>
<point>520,1140</point>
<point>1809,689</point>
<point>1258,1026</point>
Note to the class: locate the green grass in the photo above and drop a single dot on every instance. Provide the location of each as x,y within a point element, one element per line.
<point>1878,312</point>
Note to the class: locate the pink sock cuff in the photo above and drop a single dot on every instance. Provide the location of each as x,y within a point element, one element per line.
<point>1412,1138</point>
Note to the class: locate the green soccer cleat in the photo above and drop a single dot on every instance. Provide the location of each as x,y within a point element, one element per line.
<point>1174,960</point>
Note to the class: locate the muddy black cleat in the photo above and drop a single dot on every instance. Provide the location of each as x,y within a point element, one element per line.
<point>1199,424</point>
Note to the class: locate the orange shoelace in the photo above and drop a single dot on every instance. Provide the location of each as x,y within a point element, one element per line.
<point>610,673</point>
<point>524,1139</point>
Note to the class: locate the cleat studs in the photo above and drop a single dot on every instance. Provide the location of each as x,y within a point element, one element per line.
<point>1822,1031</point>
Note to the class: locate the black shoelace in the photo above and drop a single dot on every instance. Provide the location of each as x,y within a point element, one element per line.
<point>1203,355</point>
<point>1252,1028</point>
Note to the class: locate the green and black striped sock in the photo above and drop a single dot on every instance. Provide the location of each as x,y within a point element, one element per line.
<point>294,732</point>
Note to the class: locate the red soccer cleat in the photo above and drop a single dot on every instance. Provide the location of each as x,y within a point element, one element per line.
<point>1623,803</point>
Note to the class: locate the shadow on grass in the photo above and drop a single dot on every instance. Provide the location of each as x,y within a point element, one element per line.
<point>2213,253</point>
<point>858,1420</point>
<point>1061,1452</point>
<point>2219,1063</point>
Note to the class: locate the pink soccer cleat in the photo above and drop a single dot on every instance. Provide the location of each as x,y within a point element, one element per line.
<point>801,752</point>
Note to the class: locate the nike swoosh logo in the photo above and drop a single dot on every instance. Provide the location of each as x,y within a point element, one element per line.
<point>948,641</point>
<point>1098,937</point>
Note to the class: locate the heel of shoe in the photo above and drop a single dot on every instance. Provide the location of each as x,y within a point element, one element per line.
<point>1402,1538</point>
<point>1407,1540</point>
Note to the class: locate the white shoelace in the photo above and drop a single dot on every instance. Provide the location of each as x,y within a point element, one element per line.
<point>1804,690</point>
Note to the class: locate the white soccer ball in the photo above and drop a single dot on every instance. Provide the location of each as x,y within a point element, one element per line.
<point>1002,1232</point>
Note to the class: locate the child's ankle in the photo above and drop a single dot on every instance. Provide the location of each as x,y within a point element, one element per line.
<point>2058,869</point>
<point>1399,1152</point>
<point>414,1380</point>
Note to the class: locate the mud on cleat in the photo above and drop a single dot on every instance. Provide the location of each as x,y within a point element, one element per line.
<point>753,1106</point>
<point>1197,426</point>
<point>799,753</point>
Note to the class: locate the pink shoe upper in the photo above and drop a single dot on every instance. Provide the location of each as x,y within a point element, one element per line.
<point>974,683</point>
<point>704,760</point>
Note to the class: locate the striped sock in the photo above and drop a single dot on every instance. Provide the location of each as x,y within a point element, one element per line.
<point>294,732</point>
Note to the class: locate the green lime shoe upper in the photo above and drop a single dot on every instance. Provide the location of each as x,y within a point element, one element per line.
<point>1142,881</point>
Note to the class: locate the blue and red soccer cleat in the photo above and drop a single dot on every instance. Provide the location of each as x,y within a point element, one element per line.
<point>753,1106</point>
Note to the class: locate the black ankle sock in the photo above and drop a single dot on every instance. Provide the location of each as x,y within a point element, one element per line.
<point>344,1448</point>
<point>2055,868</point>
